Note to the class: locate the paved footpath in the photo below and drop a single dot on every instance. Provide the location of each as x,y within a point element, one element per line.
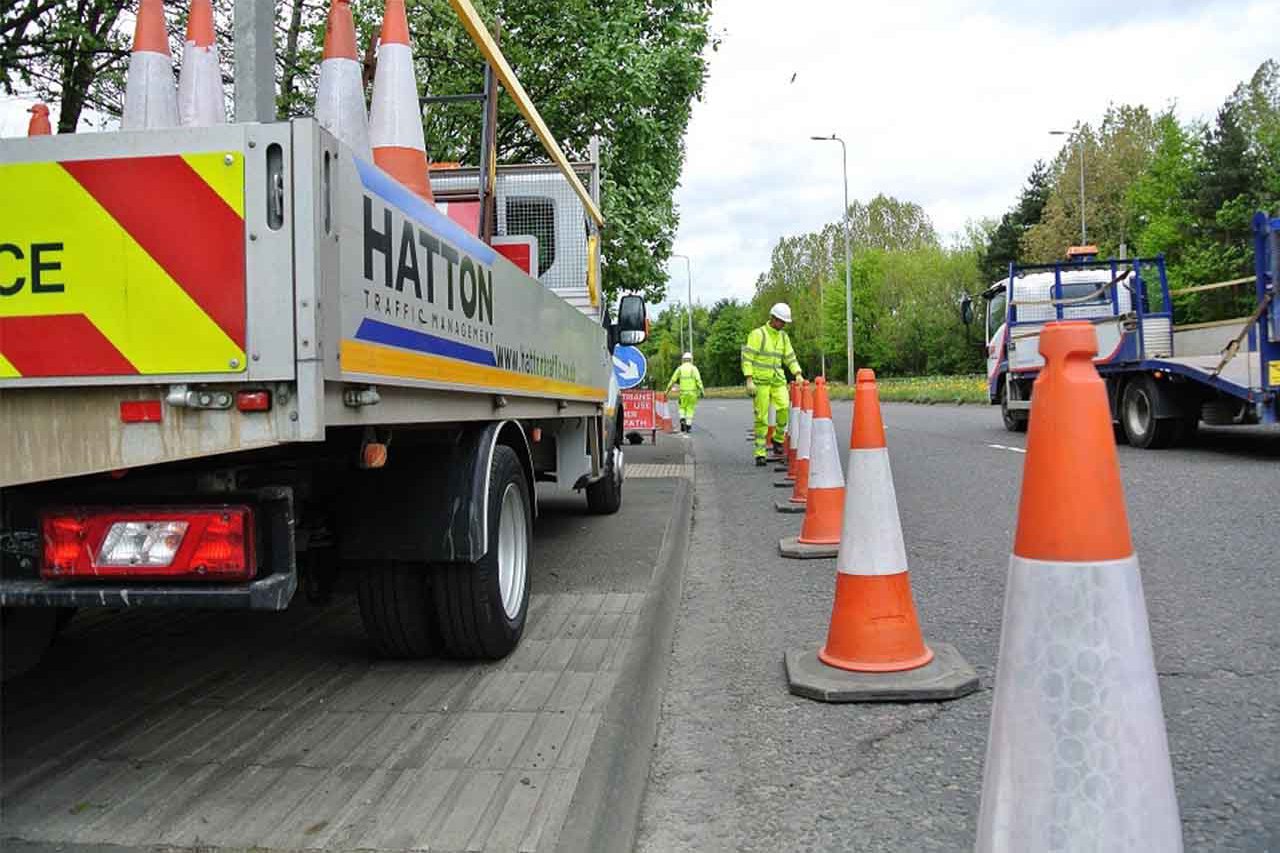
<point>207,730</point>
<point>742,765</point>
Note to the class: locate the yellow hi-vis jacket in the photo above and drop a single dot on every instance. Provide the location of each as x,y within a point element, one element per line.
<point>767,351</point>
<point>688,378</point>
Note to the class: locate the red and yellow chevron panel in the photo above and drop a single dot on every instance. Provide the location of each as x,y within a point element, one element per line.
<point>123,266</point>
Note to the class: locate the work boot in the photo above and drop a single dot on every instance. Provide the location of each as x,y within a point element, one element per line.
<point>760,462</point>
<point>778,449</point>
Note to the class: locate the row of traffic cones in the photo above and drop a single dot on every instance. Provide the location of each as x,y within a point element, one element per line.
<point>390,133</point>
<point>1077,755</point>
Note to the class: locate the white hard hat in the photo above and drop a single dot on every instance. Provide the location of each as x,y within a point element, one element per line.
<point>688,356</point>
<point>782,311</point>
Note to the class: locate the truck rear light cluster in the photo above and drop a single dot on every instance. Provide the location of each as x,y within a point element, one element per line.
<point>197,543</point>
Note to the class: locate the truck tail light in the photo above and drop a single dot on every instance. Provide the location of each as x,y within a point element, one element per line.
<point>196,543</point>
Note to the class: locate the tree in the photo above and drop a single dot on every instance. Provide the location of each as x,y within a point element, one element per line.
<point>1004,243</point>
<point>624,70</point>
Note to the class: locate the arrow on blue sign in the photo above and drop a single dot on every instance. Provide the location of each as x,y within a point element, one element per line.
<point>629,366</point>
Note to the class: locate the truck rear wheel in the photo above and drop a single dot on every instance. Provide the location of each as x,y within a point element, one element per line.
<point>1014,421</point>
<point>396,609</point>
<point>481,607</point>
<point>1138,415</point>
<point>604,497</point>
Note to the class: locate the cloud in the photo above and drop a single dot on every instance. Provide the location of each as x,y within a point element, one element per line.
<point>946,104</point>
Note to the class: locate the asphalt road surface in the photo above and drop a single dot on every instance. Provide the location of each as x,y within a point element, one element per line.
<point>740,764</point>
<point>196,730</point>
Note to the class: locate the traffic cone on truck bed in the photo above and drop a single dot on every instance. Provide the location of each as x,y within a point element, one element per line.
<point>39,124</point>
<point>800,492</point>
<point>824,509</point>
<point>874,650</point>
<point>340,93</point>
<point>1077,757</point>
<point>150,97</point>
<point>200,99</point>
<point>395,120</point>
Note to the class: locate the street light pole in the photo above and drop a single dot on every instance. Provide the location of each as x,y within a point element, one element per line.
<point>688,270</point>
<point>848,272</point>
<point>1084,234</point>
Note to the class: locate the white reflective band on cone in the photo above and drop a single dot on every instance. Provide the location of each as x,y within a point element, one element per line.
<point>1077,758</point>
<point>150,98</point>
<point>793,424</point>
<point>200,99</point>
<point>773,415</point>
<point>395,120</point>
<point>871,540</point>
<point>824,456</point>
<point>340,104</point>
<point>806,433</point>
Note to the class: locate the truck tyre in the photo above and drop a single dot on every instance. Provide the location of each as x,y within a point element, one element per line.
<point>1138,414</point>
<point>481,607</point>
<point>25,635</point>
<point>604,497</point>
<point>1013,421</point>
<point>396,609</point>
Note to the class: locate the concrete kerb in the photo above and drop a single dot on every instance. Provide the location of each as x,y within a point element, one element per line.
<point>947,676</point>
<point>788,507</point>
<point>604,814</point>
<point>793,549</point>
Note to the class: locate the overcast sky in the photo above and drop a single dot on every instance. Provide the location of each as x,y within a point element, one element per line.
<point>946,103</point>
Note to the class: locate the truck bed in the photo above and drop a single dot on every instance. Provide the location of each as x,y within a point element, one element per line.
<point>349,300</point>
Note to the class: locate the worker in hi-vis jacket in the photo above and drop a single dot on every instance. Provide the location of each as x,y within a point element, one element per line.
<point>766,358</point>
<point>689,381</point>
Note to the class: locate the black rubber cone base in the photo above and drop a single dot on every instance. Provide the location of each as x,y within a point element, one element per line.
<point>788,506</point>
<point>792,548</point>
<point>947,676</point>
<point>783,484</point>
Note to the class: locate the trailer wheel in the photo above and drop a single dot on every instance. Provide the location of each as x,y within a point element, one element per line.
<point>1138,414</point>
<point>396,609</point>
<point>481,607</point>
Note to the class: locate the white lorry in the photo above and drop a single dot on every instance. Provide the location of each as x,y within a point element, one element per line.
<point>1163,379</point>
<point>237,356</point>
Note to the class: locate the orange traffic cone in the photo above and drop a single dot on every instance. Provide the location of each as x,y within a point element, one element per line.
<point>800,493</point>
<point>340,93</point>
<point>201,102</point>
<point>39,124</point>
<point>1077,757</point>
<point>773,426</point>
<point>874,650</point>
<point>793,433</point>
<point>824,510</point>
<point>787,454</point>
<point>150,97</point>
<point>395,120</point>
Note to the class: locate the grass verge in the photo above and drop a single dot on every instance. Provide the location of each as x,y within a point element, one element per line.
<point>957,390</point>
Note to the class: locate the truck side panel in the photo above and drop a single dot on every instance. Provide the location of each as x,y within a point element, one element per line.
<point>424,303</point>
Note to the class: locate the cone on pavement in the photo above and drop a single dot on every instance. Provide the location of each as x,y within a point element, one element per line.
<point>874,650</point>
<point>793,429</point>
<point>340,93</point>
<point>824,510</point>
<point>395,119</point>
<point>1077,757</point>
<point>201,102</point>
<point>800,492</point>
<point>785,461</point>
<point>150,96</point>
<point>39,124</point>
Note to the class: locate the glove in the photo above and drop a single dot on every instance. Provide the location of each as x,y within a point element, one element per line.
<point>799,377</point>
<point>751,387</point>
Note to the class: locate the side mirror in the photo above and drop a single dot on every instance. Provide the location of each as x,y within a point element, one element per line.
<point>633,325</point>
<point>966,310</point>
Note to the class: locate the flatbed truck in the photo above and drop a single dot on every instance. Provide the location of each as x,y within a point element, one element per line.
<point>236,358</point>
<point>1163,380</point>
